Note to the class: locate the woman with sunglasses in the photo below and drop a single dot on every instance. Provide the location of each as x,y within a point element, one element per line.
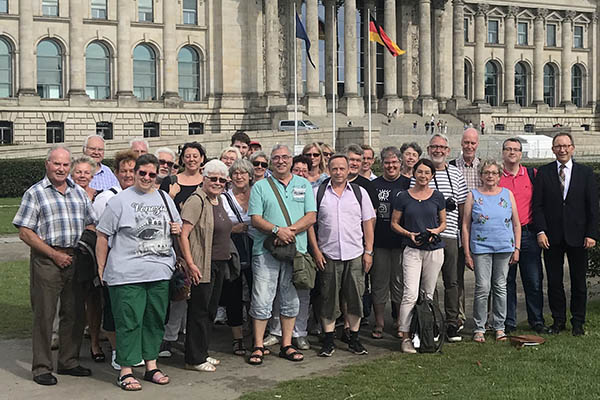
<point>138,268</point>
<point>206,246</point>
<point>260,163</point>
<point>317,173</point>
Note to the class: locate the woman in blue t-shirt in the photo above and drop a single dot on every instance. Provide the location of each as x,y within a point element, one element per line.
<point>419,211</point>
<point>490,230</point>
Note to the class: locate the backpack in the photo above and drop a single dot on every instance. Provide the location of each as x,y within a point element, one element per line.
<point>531,173</point>
<point>323,186</point>
<point>428,323</point>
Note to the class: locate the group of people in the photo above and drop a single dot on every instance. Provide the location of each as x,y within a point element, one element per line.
<point>228,223</point>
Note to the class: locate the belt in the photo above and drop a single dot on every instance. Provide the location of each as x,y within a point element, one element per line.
<point>66,250</point>
<point>528,227</point>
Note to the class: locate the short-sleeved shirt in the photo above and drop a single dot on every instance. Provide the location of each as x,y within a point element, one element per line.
<point>470,172</point>
<point>491,223</point>
<point>221,250</point>
<point>142,247</point>
<point>104,179</point>
<point>103,197</point>
<point>368,186</point>
<point>387,192</point>
<point>58,219</point>
<point>339,221</point>
<point>522,188</point>
<point>298,198</point>
<point>420,215</point>
<point>457,190</point>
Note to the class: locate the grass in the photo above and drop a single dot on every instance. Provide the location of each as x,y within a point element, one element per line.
<point>8,209</point>
<point>14,300</point>
<point>564,367</point>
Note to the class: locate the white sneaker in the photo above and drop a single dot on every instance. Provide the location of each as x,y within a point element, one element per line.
<point>221,317</point>
<point>270,340</point>
<point>113,361</point>
<point>140,364</point>
<point>407,346</point>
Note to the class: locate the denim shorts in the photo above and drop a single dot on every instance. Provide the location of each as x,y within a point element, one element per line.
<point>270,276</point>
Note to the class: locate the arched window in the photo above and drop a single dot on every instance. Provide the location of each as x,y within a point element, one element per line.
<point>491,84</point>
<point>5,69</point>
<point>97,71</point>
<point>189,74</point>
<point>144,72</point>
<point>577,85</point>
<point>468,82</point>
<point>549,85</point>
<point>49,70</point>
<point>521,84</point>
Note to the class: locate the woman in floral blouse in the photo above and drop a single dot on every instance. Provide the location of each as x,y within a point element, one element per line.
<point>490,230</point>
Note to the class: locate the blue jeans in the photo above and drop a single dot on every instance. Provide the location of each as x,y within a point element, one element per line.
<point>271,275</point>
<point>530,269</point>
<point>490,274</point>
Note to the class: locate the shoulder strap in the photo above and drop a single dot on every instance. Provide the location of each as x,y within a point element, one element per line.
<point>162,195</point>
<point>112,189</point>
<point>233,207</point>
<point>357,193</point>
<point>531,173</point>
<point>280,201</point>
<point>321,192</point>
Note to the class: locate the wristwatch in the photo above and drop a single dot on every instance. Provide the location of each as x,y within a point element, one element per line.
<point>369,252</point>
<point>275,230</point>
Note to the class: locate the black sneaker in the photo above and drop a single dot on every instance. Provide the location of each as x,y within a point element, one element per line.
<point>165,349</point>
<point>327,350</point>
<point>346,336</point>
<point>356,347</point>
<point>453,335</point>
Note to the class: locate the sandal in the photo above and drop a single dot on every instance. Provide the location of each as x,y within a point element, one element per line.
<point>238,347</point>
<point>377,333</point>
<point>479,337</point>
<point>501,336</point>
<point>213,361</point>
<point>149,376</point>
<point>295,355</point>
<point>257,359</point>
<point>98,357</point>
<point>127,385</point>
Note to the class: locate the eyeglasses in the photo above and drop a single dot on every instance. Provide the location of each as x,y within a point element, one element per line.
<point>260,164</point>
<point>239,173</point>
<point>437,147</point>
<point>169,163</point>
<point>313,155</point>
<point>282,158</point>
<point>490,173</point>
<point>151,175</point>
<point>562,146</point>
<point>327,154</point>
<point>95,149</point>
<point>510,149</point>
<point>215,179</point>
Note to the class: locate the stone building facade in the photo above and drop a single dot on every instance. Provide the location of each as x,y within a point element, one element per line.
<point>131,68</point>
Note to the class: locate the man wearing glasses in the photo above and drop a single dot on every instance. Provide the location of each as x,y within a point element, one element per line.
<point>166,162</point>
<point>565,216</point>
<point>104,178</point>
<point>519,180</point>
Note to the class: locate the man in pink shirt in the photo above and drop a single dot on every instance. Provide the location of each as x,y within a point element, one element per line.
<point>519,180</point>
<point>342,252</point>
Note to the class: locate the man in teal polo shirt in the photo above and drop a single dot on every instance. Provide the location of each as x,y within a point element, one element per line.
<point>270,274</point>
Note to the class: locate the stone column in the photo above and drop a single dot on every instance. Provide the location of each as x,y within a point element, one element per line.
<point>390,101</point>
<point>426,104</point>
<point>124,54</point>
<point>442,39</point>
<point>458,52</point>
<point>480,40</point>
<point>538,60</point>
<point>405,61</point>
<point>330,51</point>
<point>510,39</point>
<point>565,60</point>
<point>27,62</point>
<point>77,92</point>
<point>171,66</point>
<point>315,103</point>
<point>351,104</point>
<point>272,32</point>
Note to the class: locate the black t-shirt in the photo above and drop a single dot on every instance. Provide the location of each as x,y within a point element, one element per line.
<point>184,192</point>
<point>386,194</point>
<point>368,186</point>
<point>419,215</point>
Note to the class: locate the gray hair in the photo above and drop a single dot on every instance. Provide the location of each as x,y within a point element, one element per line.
<point>281,146</point>
<point>490,162</point>
<point>231,149</point>
<point>58,146</point>
<point>165,150</point>
<point>139,140</point>
<point>242,165</point>
<point>389,152</point>
<point>84,160</point>
<point>217,167</point>
<point>257,154</point>
<point>354,148</point>
<point>87,139</point>
<point>440,135</point>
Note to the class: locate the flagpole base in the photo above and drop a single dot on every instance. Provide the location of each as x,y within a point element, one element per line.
<point>391,105</point>
<point>427,106</point>
<point>316,105</point>
<point>352,106</point>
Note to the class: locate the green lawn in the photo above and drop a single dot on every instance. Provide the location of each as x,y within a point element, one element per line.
<point>563,368</point>
<point>8,209</point>
<point>15,307</point>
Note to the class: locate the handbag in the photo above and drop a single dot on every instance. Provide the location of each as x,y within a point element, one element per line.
<point>180,283</point>
<point>304,267</point>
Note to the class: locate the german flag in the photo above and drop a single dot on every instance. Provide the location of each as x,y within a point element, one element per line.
<point>376,34</point>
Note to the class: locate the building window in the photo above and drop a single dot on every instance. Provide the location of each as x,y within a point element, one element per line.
<point>549,85</point>
<point>577,85</point>
<point>529,128</point>
<point>189,74</point>
<point>521,84</point>
<point>551,35</point>
<point>522,30</point>
<point>6,132</point>
<point>3,6</point>
<point>50,8</point>
<point>466,30</point>
<point>190,12</point>
<point>5,69</point>
<point>49,70</point>
<point>151,129</point>
<point>55,132</point>
<point>104,129</point>
<point>97,71</point>
<point>145,11</point>
<point>99,9</point>
<point>196,128</point>
<point>467,78</point>
<point>144,72</point>
<point>491,84</point>
<point>578,37</point>
<point>493,32</point>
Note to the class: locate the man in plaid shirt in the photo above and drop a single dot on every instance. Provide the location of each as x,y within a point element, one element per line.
<point>53,214</point>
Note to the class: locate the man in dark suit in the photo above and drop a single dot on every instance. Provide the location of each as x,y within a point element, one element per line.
<point>565,215</point>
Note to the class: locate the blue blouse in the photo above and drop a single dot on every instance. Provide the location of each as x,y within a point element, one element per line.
<point>491,223</point>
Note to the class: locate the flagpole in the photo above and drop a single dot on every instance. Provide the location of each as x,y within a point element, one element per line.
<point>369,73</point>
<point>295,81</point>
<point>334,73</point>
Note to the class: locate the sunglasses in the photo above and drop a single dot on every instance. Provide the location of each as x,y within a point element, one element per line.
<point>169,163</point>
<point>314,155</point>
<point>327,154</point>
<point>215,179</point>
<point>152,175</point>
<point>260,164</point>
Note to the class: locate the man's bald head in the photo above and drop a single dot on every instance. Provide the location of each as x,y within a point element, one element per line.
<point>469,143</point>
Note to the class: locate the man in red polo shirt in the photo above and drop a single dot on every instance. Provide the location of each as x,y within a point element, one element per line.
<point>519,180</point>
